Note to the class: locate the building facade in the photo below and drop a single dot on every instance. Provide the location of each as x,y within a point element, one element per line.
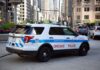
<point>25,11</point>
<point>47,9</point>
<point>86,11</point>
<point>2,11</point>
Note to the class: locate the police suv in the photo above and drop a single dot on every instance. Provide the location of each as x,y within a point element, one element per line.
<point>43,40</point>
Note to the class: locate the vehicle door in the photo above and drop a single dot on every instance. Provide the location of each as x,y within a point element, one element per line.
<point>57,38</point>
<point>71,40</point>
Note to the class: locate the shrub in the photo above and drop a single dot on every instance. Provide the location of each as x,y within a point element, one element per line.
<point>7,26</point>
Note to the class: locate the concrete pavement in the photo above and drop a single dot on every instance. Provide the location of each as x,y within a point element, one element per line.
<point>89,62</point>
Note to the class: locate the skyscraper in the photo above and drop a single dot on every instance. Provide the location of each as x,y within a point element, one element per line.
<point>24,11</point>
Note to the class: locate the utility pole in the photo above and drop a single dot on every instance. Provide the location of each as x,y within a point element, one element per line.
<point>65,9</point>
<point>6,11</point>
<point>59,9</point>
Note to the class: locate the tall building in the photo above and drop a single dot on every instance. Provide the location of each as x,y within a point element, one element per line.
<point>24,11</point>
<point>86,11</point>
<point>47,9</point>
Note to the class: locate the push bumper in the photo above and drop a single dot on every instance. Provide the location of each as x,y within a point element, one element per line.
<point>11,50</point>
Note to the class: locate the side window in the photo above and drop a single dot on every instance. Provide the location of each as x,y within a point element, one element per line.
<point>38,30</point>
<point>56,31</point>
<point>68,31</point>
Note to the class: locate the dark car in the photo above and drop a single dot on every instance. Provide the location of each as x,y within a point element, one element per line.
<point>83,30</point>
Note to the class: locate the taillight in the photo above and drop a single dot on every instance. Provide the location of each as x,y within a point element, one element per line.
<point>27,38</point>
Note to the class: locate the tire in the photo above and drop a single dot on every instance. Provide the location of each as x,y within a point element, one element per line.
<point>83,49</point>
<point>44,54</point>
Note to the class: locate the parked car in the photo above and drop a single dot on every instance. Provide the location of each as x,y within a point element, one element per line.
<point>83,30</point>
<point>95,32</point>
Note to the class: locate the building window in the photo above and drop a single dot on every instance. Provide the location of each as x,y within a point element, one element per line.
<point>97,9</point>
<point>86,0</point>
<point>79,1</point>
<point>86,16</point>
<point>97,16</point>
<point>86,9</point>
<point>78,17</point>
<point>78,9</point>
<point>98,1</point>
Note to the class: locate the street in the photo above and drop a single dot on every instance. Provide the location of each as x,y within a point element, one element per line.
<point>70,62</point>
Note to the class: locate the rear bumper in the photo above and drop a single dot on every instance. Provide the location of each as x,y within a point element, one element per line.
<point>16,51</point>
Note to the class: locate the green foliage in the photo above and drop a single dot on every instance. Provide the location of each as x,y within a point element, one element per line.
<point>31,22</point>
<point>7,26</point>
<point>47,21</point>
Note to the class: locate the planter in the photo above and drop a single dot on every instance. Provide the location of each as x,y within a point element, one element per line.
<point>4,31</point>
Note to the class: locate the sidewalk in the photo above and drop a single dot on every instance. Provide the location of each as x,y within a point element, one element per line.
<point>3,51</point>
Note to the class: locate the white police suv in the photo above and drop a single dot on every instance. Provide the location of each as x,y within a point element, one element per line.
<point>43,40</point>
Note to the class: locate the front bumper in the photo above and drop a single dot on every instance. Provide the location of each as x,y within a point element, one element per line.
<point>12,50</point>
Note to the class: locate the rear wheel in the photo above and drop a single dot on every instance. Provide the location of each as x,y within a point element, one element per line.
<point>44,54</point>
<point>83,50</point>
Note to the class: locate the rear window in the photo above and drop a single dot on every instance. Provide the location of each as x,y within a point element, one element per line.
<point>22,30</point>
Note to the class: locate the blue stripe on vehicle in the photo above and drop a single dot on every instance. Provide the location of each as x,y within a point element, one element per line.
<point>21,45</point>
<point>22,39</point>
<point>17,44</point>
<point>57,41</point>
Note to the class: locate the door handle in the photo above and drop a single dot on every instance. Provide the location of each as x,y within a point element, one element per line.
<point>67,38</point>
<point>51,37</point>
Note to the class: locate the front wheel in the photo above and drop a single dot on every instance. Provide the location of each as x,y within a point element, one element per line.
<point>44,54</point>
<point>83,50</point>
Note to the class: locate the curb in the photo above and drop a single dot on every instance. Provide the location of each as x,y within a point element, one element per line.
<point>3,41</point>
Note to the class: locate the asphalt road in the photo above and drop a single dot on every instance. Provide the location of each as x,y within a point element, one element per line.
<point>66,62</point>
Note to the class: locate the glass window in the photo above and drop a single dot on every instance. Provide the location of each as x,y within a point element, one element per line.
<point>97,0</point>
<point>86,16</point>
<point>78,17</point>
<point>86,0</point>
<point>79,1</point>
<point>69,31</point>
<point>38,30</point>
<point>97,16</point>
<point>22,30</point>
<point>97,9</point>
<point>61,31</point>
<point>86,9</point>
<point>98,28</point>
<point>78,9</point>
<point>56,31</point>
